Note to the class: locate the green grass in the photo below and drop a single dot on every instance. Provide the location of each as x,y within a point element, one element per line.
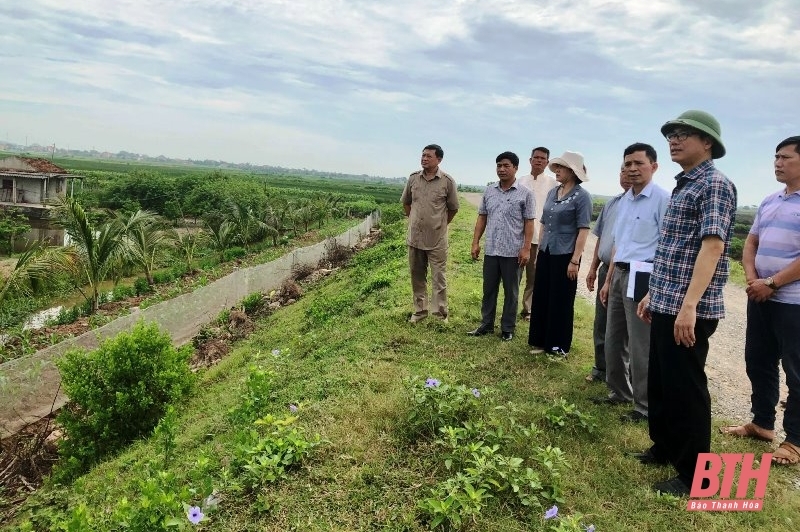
<point>345,350</point>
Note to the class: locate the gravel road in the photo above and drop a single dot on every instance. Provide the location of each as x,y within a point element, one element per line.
<point>727,380</point>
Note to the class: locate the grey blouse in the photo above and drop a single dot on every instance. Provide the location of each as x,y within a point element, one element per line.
<point>561,219</point>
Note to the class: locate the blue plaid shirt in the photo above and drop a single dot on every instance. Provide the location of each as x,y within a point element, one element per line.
<point>702,204</point>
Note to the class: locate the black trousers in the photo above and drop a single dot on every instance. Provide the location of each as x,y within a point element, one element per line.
<point>680,405</point>
<point>495,270</point>
<point>553,308</point>
<point>772,338</point>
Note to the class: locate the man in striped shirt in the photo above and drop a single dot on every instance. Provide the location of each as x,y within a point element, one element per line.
<point>771,260</point>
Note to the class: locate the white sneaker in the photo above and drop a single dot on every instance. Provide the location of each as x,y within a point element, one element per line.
<point>416,318</point>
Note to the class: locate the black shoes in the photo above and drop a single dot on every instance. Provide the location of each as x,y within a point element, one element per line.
<point>674,486</point>
<point>506,336</point>
<point>648,458</point>
<point>480,331</point>
<point>634,416</point>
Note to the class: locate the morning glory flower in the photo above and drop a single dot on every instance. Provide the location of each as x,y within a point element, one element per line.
<point>293,409</point>
<point>476,392</point>
<point>432,383</point>
<point>589,528</point>
<point>276,352</point>
<point>195,515</point>
<point>551,513</point>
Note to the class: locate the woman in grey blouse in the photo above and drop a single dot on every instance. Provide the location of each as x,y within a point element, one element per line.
<point>565,227</point>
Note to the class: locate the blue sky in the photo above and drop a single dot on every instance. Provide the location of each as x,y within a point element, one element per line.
<point>360,86</point>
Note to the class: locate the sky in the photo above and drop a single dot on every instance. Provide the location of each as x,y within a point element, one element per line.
<point>361,86</point>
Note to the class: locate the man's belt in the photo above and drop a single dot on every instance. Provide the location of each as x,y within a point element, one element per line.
<point>624,266</point>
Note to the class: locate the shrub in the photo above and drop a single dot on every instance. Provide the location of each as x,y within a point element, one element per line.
<point>123,292</point>
<point>435,405</point>
<point>269,450</point>
<point>234,253</point>
<point>118,392</point>
<point>253,302</point>
<point>392,213</point>
<point>141,287</point>
<point>164,276</point>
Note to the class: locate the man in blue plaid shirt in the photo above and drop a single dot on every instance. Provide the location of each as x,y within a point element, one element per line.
<point>685,303</point>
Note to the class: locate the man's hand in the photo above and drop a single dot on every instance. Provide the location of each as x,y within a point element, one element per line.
<point>758,291</point>
<point>603,294</point>
<point>590,279</point>
<point>684,326</point>
<point>643,310</point>
<point>524,256</point>
<point>476,250</point>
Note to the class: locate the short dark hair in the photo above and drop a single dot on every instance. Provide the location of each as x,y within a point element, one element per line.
<point>541,148</point>
<point>641,146</point>
<point>788,142</point>
<point>511,156</point>
<point>438,149</point>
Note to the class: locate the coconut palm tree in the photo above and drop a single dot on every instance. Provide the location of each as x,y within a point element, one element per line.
<point>247,224</point>
<point>97,250</point>
<point>145,239</point>
<point>186,243</point>
<point>36,264</point>
<point>221,236</point>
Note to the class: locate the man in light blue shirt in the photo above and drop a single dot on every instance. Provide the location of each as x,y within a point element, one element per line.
<point>506,216</point>
<point>636,234</point>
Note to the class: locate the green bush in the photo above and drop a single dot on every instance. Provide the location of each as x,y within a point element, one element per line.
<point>736,247</point>
<point>235,252</point>
<point>141,287</point>
<point>392,213</point>
<point>164,276</point>
<point>122,292</point>
<point>253,303</point>
<point>118,392</point>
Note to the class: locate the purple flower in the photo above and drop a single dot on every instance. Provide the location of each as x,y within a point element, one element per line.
<point>293,409</point>
<point>432,383</point>
<point>276,352</point>
<point>589,528</point>
<point>195,515</point>
<point>551,513</point>
<point>476,392</point>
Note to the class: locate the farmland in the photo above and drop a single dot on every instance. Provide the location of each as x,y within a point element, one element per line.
<point>172,221</point>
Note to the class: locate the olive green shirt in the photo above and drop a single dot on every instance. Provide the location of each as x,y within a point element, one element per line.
<point>430,200</point>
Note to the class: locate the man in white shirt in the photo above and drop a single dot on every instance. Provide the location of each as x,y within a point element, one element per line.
<point>540,184</point>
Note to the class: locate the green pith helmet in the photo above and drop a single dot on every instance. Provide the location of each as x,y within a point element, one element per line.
<point>701,121</point>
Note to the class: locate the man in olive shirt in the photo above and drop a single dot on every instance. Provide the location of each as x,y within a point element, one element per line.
<point>430,200</point>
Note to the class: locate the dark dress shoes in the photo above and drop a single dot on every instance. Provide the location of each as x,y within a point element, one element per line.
<point>480,331</point>
<point>506,336</point>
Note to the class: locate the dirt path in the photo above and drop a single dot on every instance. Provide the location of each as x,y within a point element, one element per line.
<point>727,380</point>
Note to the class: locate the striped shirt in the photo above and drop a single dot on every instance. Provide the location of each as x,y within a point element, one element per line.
<point>506,212</point>
<point>703,204</point>
<point>777,226</point>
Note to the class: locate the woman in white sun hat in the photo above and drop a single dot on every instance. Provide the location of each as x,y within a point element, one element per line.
<point>565,227</point>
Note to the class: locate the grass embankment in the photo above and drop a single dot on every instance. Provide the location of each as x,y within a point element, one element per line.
<point>344,352</point>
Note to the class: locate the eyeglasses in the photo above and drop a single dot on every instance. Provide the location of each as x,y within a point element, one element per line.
<point>679,135</point>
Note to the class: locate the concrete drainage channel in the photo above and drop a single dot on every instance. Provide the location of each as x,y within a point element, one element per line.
<point>30,386</point>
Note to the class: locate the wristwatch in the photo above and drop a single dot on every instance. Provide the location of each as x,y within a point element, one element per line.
<point>770,282</point>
